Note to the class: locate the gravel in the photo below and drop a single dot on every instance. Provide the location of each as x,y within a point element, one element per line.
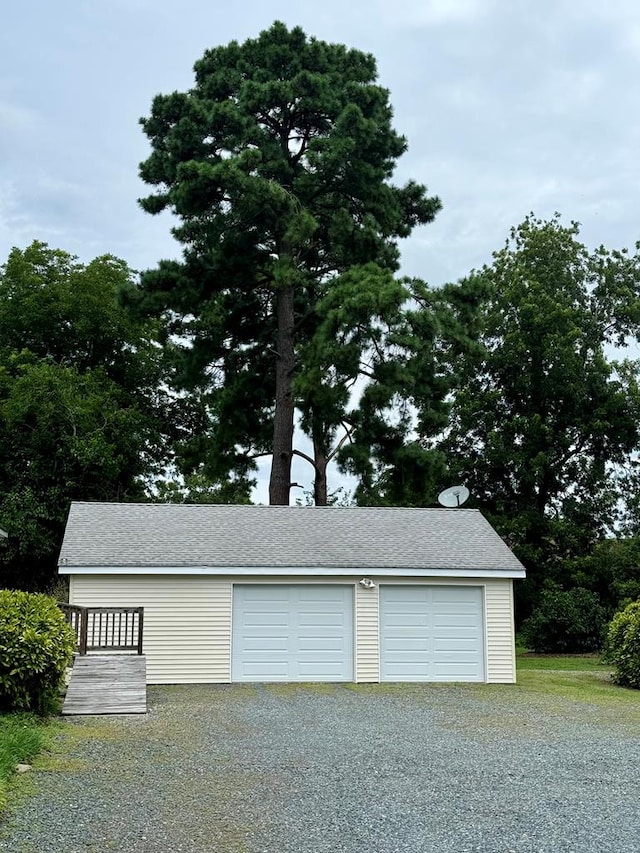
<point>294,769</point>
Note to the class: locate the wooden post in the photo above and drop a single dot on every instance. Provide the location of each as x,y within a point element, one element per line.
<point>140,621</point>
<point>84,626</point>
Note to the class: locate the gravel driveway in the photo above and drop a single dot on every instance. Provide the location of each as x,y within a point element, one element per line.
<point>284,769</point>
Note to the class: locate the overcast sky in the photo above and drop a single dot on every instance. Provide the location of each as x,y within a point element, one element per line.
<point>509,106</point>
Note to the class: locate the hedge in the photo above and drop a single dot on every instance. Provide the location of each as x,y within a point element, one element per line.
<point>623,646</point>
<point>36,645</point>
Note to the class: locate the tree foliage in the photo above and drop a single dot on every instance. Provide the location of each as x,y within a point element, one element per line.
<point>370,378</point>
<point>623,646</point>
<point>543,417</point>
<point>81,416</point>
<point>278,165</point>
<point>36,646</point>
<point>568,621</point>
<point>611,570</point>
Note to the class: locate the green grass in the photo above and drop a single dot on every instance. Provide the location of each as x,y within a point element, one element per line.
<point>594,689</point>
<point>572,663</point>
<point>22,737</point>
<point>577,678</point>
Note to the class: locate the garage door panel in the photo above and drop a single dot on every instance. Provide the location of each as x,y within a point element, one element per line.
<point>431,633</point>
<point>258,620</point>
<point>407,621</point>
<point>454,622</point>
<point>266,644</point>
<point>322,620</point>
<point>465,633</point>
<point>450,670</point>
<point>319,644</point>
<point>309,639</point>
<point>412,672</point>
<point>454,646</point>
<point>258,594</point>
<point>405,646</point>
<point>263,672</point>
<point>454,594</point>
<point>318,671</point>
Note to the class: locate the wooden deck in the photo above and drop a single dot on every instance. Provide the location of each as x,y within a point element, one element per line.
<point>107,684</point>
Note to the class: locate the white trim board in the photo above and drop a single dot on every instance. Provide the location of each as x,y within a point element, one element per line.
<point>286,571</point>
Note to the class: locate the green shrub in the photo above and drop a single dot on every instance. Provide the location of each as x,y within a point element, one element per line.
<point>623,646</point>
<point>565,622</point>
<point>36,644</point>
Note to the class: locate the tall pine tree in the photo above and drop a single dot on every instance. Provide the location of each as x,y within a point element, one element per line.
<point>278,165</point>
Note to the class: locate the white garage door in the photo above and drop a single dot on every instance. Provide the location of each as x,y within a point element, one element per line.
<point>431,633</point>
<point>292,633</point>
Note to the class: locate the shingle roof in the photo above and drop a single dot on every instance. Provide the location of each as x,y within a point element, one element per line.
<point>183,535</point>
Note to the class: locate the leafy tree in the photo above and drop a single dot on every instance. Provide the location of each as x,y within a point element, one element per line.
<point>565,622</point>
<point>81,416</point>
<point>543,418</point>
<point>611,570</point>
<point>369,378</point>
<point>197,488</point>
<point>278,165</point>
<point>404,406</point>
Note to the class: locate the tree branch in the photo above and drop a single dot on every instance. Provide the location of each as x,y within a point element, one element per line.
<point>345,437</point>
<point>306,457</point>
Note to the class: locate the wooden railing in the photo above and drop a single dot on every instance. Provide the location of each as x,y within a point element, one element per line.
<point>101,629</point>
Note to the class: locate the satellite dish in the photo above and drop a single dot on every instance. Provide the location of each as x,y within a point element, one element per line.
<point>454,496</point>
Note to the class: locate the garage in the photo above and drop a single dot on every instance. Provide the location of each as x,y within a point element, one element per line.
<point>286,632</point>
<point>278,593</point>
<point>432,633</point>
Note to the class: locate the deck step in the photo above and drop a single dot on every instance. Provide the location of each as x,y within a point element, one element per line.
<point>107,684</point>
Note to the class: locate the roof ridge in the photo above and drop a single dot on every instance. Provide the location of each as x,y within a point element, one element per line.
<point>273,507</point>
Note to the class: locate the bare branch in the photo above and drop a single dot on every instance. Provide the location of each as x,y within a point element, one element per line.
<point>306,457</point>
<point>346,437</point>
<point>364,372</point>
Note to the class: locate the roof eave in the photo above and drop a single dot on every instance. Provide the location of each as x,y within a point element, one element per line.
<point>286,571</point>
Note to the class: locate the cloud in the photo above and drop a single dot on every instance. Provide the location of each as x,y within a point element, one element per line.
<point>19,227</point>
<point>432,13</point>
<point>15,118</point>
<point>15,227</point>
<point>47,208</point>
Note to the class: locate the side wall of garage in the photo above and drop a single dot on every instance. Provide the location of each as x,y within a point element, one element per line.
<point>187,627</point>
<point>187,621</point>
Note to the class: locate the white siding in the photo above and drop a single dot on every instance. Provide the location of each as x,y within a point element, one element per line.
<point>367,634</point>
<point>187,629</point>
<point>187,622</point>
<point>501,661</point>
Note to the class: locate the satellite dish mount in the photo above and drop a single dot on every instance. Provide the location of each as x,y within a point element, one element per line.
<point>454,496</point>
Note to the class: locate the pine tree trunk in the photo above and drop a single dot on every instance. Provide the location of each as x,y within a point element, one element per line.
<point>320,496</point>
<point>280,480</point>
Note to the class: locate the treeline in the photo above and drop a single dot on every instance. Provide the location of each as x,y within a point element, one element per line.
<point>286,316</point>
